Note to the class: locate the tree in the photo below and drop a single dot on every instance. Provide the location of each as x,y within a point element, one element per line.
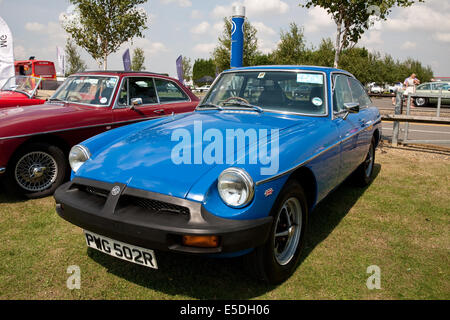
<point>222,52</point>
<point>322,56</point>
<point>137,62</point>
<point>74,62</point>
<point>187,69</point>
<point>352,17</point>
<point>292,46</point>
<point>203,67</point>
<point>102,26</point>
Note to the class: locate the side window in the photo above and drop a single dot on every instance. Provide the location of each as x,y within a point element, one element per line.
<point>141,87</point>
<point>168,91</point>
<point>425,87</point>
<point>342,93</point>
<point>359,95</point>
<point>123,94</point>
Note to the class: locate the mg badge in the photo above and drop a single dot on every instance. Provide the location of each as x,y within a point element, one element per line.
<point>268,192</point>
<point>115,191</point>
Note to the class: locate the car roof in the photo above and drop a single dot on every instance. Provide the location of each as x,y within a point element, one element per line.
<point>120,72</point>
<point>290,67</point>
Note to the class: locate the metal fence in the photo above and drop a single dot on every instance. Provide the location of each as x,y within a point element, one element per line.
<point>398,117</point>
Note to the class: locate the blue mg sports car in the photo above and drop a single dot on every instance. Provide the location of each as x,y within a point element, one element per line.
<point>239,176</point>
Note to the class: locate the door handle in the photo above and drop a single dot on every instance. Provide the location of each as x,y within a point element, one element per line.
<point>159,111</point>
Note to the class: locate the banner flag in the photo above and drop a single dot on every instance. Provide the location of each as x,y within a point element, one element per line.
<point>61,58</point>
<point>6,53</point>
<point>180,69</point>
<point>126,60</point>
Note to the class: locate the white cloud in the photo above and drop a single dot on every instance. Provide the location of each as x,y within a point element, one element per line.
<point>371,39</point>
<point>253,8</point>
<point>204,48</point>
<point>181,3</point>
<point>221,11</point>
<point>34,26</point>
<point>20,52</point>
<point>318,19</point>
<point>419,17</point>
<point>196,14</point>
<point>263,29</point>
<point>408,45</point>
<point>201,28</point>
<point>442,37</point>
<point>266,7</point>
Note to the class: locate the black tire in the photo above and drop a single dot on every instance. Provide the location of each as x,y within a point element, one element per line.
<point>47,162</point>
<point>263,262</point>
<point>363,174</point>
<point>421,102</point>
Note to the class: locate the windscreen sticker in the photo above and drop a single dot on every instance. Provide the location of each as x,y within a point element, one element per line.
<point>103,100</point>
<point>317,101</point>
<point>310,78</point>
<point>261,75</point>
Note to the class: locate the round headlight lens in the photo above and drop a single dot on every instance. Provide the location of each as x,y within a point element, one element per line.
<point>235,187</point>
<point>78,155</point>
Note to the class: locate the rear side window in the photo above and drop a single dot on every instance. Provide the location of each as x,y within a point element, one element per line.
<point>359,94</point>
<point>168,91</point>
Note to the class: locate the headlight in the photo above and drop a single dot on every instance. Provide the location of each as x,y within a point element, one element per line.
<point>235,187</point>
<point>77,156</point>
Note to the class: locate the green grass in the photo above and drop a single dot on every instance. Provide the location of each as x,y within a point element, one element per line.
<point>399,223</point>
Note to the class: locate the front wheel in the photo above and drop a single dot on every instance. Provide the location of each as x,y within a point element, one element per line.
<point>276,260</point>
<point>36,170</point>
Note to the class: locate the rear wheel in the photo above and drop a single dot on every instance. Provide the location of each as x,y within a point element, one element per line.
<point>420,102</point>
<point>36,170</point>
<point>276,260</point>
<point>363,175</point>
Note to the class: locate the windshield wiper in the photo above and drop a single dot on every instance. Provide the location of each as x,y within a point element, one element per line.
<point>210,105</point>
<point>55,99</point>
<point>243,104</point>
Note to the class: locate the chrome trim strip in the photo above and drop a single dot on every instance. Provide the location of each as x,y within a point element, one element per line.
<point>85,127</point>
<point>115,105</point>
<point>2,170</point>
<point>280,70</point>
<point>310,159</point>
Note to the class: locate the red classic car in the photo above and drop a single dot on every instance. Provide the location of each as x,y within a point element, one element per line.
<point>35,140</point>
<point>21,91</point>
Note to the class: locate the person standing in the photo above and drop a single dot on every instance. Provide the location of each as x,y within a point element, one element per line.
<point>410,86</point>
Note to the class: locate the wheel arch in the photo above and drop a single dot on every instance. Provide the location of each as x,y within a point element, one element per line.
<point>307,180</point>
<point>47,138</point>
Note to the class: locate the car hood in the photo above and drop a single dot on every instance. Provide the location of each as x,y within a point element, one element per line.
<point>12,95</point>
<point>16,121</point>
<point>143,158</point>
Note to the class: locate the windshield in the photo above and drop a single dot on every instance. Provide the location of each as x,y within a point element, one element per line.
<point>23,84</point>
<point>95,90</point>
<point>283,91</point>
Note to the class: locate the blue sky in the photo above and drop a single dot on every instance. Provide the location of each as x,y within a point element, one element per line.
<point>191,28</point>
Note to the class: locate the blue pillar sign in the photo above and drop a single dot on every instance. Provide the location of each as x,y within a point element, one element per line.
<point>237,36</point>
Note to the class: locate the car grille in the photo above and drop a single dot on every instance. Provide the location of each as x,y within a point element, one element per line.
<point>154,206</point>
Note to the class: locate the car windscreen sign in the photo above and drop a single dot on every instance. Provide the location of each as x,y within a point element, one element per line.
<point>310,78</point>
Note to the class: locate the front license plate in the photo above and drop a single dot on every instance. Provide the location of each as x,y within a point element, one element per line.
<point>128,252</point>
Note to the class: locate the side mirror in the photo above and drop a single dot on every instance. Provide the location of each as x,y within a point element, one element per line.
<point>351,107</point>
<point>136,102</point>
